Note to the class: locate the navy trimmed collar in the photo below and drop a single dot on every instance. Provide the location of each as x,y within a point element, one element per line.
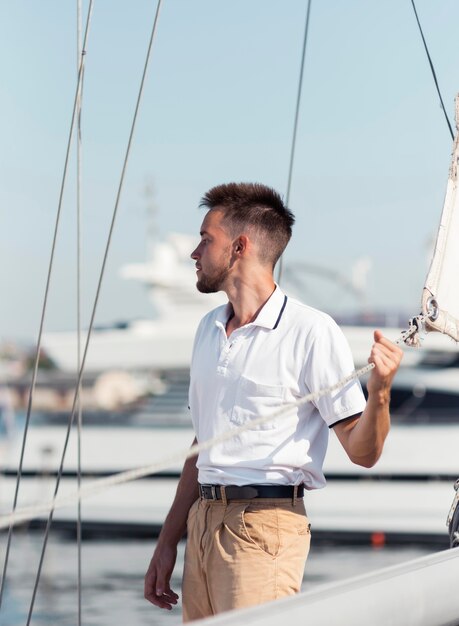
<point>270,315</point>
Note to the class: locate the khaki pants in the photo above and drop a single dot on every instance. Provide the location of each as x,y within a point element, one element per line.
<point>242,553</point>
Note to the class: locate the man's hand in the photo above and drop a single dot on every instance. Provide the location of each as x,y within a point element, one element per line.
<point>157,589</point>
<point>386,357</point>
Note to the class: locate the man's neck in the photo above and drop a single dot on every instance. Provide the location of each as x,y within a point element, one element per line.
<point>247,299</point>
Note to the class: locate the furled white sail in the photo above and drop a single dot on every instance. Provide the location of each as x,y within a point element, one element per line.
<point>440,296</point>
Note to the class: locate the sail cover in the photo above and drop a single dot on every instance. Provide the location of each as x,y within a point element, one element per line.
<point>440,296</point>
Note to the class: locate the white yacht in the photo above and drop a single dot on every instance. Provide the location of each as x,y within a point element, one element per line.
<point>164,341</point>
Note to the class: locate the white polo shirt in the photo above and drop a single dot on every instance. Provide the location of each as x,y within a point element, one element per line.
<point>289,351</point>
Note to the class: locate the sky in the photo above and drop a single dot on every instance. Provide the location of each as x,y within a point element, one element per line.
<point>373,148</point>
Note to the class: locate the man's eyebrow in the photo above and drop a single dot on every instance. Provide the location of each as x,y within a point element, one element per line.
<point>203,232</point>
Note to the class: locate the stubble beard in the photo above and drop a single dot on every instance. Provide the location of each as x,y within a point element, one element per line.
<point>212,284</point>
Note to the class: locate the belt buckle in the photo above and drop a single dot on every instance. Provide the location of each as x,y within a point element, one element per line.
<point>205,489</point>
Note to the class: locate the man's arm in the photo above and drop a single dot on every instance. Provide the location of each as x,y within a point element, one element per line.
<point>157,578</point>
<point>363,437</point>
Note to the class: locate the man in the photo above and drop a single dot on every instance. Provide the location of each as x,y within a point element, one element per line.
<point>248,533</point>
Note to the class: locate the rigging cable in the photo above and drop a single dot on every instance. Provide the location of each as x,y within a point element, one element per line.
<point>78,290</point>
<point>433,71</point>
<point>295,124</point>
<point>45,302</point>
<point>93,313</point>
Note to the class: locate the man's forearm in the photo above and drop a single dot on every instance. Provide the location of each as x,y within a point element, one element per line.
<point>366,439</point>
<point>187,492</point>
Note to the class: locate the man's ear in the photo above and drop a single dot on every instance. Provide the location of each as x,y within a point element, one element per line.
<point>240,244</point>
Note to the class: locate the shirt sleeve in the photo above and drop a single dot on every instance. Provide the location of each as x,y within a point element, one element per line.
<point>329,359</point>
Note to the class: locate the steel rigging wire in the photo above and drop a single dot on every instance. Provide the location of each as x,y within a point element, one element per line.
<point>96,300</point>
<point>295,123</point>
<point>433,71</point>
<point>298,101</point>
<point>45,300</point>
<point>78,303</point>
<point>81,369</point>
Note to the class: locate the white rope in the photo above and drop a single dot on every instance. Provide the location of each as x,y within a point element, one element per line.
<point>28,513</point>
<point>94,487</point>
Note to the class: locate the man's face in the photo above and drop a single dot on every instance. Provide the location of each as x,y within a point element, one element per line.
<point>213,254</point>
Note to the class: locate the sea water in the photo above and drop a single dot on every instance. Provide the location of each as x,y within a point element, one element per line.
<point>112,578</point>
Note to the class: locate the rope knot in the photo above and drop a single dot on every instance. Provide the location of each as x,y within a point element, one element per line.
<point>412,336</point>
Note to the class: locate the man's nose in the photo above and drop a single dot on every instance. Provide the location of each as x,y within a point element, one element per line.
<point>194,255</point>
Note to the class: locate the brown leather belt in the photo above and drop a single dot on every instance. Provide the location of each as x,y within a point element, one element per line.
<point>247,492</point>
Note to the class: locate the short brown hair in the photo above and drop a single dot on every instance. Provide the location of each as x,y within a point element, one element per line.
<point>258,208</point>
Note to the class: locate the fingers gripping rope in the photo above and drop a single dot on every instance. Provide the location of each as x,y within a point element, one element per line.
<point>25,514</point>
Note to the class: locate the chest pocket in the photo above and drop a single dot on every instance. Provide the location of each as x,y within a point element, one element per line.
<point>256,400</point>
